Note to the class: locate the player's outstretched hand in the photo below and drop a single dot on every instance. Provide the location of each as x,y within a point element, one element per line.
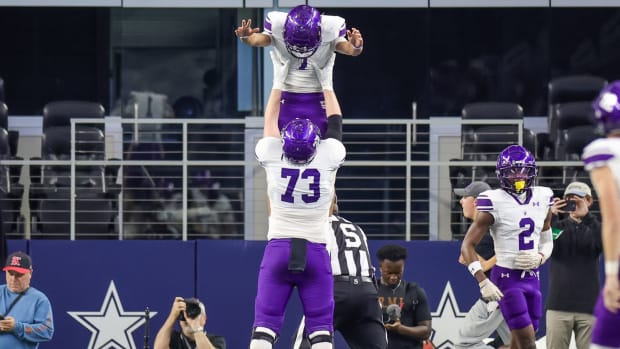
<point>527,260</point>
<point>354,36</point>
<point>611,293</point>
<point>280,69</point>
<point>325,73</point>
<point>245,29</point>
<point>489,291</point>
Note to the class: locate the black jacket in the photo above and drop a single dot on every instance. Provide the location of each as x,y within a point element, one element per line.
<point>574,271</point>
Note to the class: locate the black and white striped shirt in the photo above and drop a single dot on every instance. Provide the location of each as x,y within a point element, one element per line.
<point>349,249</point>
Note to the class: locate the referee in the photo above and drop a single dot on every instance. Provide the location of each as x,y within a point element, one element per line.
<point>357,313</point>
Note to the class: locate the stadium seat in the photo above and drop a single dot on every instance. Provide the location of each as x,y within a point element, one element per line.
<point>575,139</point>
<point>568,116</point>
<point>574,88</point>
<point>95,214</point>
<point>486,111</point>
<point>60,113</point>
<point>11,191</point>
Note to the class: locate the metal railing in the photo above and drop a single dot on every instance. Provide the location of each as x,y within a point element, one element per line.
<point>188,179</point>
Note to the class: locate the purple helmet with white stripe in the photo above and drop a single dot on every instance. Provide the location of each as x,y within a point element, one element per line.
<point>607,107</point>
<point>300,138</point>
<point>302,31</point>
<point>516,169</point>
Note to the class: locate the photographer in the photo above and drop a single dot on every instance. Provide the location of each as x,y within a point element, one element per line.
<point>574,270</point>
<point>192,318</point>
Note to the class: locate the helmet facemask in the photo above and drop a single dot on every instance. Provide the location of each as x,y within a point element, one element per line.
<point>516,169</point>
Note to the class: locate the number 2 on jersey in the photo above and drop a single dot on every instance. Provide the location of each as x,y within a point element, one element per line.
<point>525,241</point>
<point>313,186</point>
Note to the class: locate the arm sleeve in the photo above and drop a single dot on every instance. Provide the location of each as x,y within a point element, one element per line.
<point>42,327</point>
<point>334,127</point>
<point>546,243</point>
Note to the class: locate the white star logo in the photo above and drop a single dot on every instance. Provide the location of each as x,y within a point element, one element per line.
<point>112,326</point>
<point>447,323</point>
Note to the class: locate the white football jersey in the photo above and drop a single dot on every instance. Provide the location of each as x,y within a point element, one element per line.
<point>603,152</point>
<point>517,224</point>
<point>301,78</point>
<point>300,195</point>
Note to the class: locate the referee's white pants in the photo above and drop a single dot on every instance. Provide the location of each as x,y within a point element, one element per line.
<point>479,324</point>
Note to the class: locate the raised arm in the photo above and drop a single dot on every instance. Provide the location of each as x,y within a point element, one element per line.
<point>332,106</point>
<point>272,110</point>
<point>162,339</point>
<point>354,44</point>
<point>252,36</point>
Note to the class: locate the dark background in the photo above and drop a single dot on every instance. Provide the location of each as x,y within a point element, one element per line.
<point>440,58</point>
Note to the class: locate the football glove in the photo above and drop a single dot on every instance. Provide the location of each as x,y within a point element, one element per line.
<point>325,73</point>
<point>489,291</point>
<point>280,69</point>
<point>527,260</point>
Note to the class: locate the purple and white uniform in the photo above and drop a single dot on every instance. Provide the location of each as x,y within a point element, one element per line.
<point>605,152</point>
<point>518,222</point>
<point>299,198</point>
<point>302,96</point>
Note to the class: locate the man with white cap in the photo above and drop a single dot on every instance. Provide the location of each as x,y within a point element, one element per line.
<point>574,272</point>
<point>26,319</point>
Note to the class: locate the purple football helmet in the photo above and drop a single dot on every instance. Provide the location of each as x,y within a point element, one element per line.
<point>300,138</point>
<point>607,107</point>
<point>516,169</point>
<point>302,31</point>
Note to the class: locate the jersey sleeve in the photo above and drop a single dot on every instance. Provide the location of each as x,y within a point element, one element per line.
<point>597,154</point>
<point>267,149</point>
<point>337,152</point>
<point>334,29</point>
<point>547,192</point>
<point>485,203</point>
<point>273,25</point>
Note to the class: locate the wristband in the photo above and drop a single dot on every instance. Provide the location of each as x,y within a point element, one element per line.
<point>473,267</point>
<point>611,268</point>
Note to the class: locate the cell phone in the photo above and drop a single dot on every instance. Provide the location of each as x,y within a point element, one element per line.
<point>571,205</point>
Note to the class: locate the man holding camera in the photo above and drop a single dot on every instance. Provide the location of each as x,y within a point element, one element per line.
<point>574,275</point>
<point>192,317</point>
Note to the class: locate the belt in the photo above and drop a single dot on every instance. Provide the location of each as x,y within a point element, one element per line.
<point>353,279</point>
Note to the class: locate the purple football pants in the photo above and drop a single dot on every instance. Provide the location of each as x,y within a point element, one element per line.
<point>275,284</point>
<point>304,106</point>
<point>606,331</point>
<point>521,305</point>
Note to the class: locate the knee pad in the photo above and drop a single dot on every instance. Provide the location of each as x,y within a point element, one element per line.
<point>321,340</point>
<point>263,338</point>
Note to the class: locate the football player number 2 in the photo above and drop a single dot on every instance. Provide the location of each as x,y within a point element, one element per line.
<point>527,228</point>
<point>313,184</point>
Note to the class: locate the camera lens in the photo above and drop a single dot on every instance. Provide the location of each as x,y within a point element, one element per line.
<point>192,308</point>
